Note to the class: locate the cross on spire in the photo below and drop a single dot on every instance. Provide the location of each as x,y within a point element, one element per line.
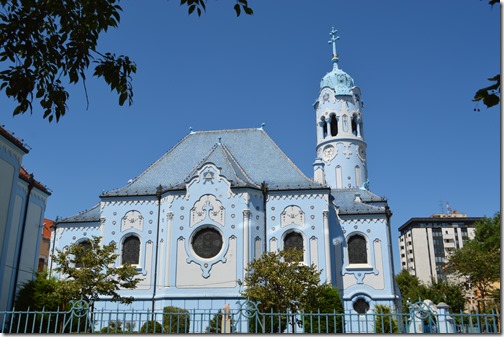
<point>333,39</point>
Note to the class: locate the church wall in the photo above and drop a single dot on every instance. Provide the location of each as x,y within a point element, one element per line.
<point>372,280</point>
<point>133,216</point>
<point>302,212</point>
<point>209,211</point>
<point>69,233</point>
<point>345,162</point>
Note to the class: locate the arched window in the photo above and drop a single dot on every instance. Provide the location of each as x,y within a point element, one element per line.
<point>354,125</point>
<point>131,250</point>
<point>334,125</point>
<point>294,240</point>
<point>324,127</point>
<point>357,250</point>
<point>82,248</point>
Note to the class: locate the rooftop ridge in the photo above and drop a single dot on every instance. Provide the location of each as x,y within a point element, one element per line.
<point>228,152</point>
<point>289,160</point>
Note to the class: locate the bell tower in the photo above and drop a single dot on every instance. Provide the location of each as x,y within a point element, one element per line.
<point>341,148</point>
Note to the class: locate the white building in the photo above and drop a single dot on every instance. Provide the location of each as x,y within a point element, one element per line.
<point>424,243</point>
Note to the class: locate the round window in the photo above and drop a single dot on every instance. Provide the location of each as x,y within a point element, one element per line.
<point>207,242</point>
<point>361,306</point>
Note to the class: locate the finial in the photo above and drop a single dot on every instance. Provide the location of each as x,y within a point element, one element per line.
<point>333,39</point>
<point>190,129</point>
<point>262,126</point>
<point>219,141</point>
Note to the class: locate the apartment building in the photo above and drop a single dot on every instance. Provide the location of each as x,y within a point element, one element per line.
<point>424,243</point>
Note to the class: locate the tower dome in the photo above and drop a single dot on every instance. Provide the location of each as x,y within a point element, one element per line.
<point>337,79</point>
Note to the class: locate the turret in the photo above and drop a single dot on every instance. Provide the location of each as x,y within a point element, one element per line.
<point>341,149</point>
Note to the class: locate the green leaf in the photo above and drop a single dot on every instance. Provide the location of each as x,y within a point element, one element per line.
<point>122,98</point>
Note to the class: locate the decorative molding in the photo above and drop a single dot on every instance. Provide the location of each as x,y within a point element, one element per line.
<point>132,220</point>
<point>361,221</point>
<point>292,215</point>
<point>297,196</point>
<point>131,202</point>
<point>10,151</point>
<point>207,207</point>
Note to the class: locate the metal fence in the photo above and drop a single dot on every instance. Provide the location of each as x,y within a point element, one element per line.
<point>80,318</point>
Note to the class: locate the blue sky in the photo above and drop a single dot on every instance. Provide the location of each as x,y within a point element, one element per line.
<point>418,64</point>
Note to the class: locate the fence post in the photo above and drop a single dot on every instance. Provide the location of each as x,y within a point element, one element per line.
<point>226,319</point>
<point>445,321</point>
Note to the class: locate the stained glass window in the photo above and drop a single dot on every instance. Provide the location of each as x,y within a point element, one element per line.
<point>357,251</point>
<point>83,247</point>
<point>294,240</point>
<point>131,250</point>
<point>207,242</point>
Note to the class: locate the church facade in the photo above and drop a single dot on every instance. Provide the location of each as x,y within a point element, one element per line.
<point>194,219</point>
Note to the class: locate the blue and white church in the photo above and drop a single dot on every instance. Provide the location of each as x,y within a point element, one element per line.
<point>193,220</point>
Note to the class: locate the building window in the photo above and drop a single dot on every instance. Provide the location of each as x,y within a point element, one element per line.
<point>361,306</point>
<point>294,240</point>
<point>131,250</point>
<point>334,125</point>
<point>82,248</point>
<point>357,250</point>
<point>41,265</point>
<point>207,242</point>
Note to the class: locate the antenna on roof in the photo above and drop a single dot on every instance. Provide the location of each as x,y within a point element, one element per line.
<point>448,208</point>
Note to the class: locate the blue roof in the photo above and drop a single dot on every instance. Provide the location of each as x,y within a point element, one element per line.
<point>246,157</point>
<point>91,215</point>
<point>367,202</point>
<point>338,80</point>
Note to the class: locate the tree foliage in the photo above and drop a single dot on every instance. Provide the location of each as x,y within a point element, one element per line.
<point>97,275</point>
<point>280,286</point>
<point>38,294</point>
<point>151,327</point>
<point>176,320</point>
<point>489,95</point>
<point>44,45</point>
<point>200,6</point>
<point>216,326</point>
<point>479,259</point>
<point>384,322</point>
<point>323,303</point>
<point>413,290</point>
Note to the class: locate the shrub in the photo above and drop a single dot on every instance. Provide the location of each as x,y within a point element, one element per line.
<point>325,311</point>
<point>384,322</point>
<point>176,320</point>
<point>215,325</point>
<point>151,327</point>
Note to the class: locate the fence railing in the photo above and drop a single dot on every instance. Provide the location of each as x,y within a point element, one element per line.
<point>80,318</point>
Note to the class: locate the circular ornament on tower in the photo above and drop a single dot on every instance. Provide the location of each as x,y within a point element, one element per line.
<point>328,153</point>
